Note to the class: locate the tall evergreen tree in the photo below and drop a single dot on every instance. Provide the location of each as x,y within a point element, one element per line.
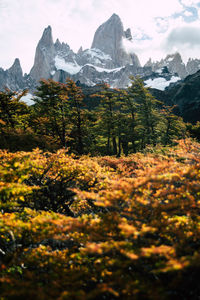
<point>173,126</point>
<point>75,102</point>
<point>110,118</point>
<point>148,115</point>
<point>52,103</point>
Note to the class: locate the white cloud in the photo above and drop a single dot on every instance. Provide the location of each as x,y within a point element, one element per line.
<point>188,13</point>
<point>190,2</point>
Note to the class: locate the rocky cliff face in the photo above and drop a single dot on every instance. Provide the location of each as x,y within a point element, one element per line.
<point>44,56</point>
<point>175,65</point>
<point>193,65</point>
<point>185,95</point>
<point>173,62</point>
<point>109,39</point>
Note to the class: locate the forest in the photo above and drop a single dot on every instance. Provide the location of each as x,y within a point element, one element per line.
<point>97,201</point>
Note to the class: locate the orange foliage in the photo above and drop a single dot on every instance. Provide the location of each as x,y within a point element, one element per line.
<point>102,227</point>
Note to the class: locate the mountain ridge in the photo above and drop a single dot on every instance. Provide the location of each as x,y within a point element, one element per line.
<point>106,61</point>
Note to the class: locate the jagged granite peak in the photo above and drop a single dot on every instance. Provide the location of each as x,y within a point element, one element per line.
<point>128,34</point>
<point>149,63</point>
<point>135,60</point>
<point>109,39</point>
<point>173,62</point>
<point>44,56</point>
<point>16,68</point>
<point>12,78</point>
<point>193,65</point>
<point>111,32</point>
<point>57,43</point>
<point>47,39</point>
<point>61,48</point>
<point>80,50</point>
<point>107,61</point>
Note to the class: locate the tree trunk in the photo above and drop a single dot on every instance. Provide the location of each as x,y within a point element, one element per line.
<point>114,146</point>
<point>119,147</point>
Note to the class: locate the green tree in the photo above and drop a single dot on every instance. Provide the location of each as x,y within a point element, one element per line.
<point>148,115</point>
<point>130,110</point>
<point>194,130</point>
<point>52,106</point>
<point>174,127</point>
<point>76,116</point>
<point>109,118</point>
<point>59,109</point>
<point>13,112</point>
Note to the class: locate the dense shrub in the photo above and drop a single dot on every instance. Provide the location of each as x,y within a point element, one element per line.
<point>102,227</point>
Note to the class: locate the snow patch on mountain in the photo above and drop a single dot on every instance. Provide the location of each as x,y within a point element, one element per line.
<point>161,83</point>
<point>99,69</point>
<point>74,68</point>
<point>69,67</point>
<point>28,99</point>
<point>96,53</point>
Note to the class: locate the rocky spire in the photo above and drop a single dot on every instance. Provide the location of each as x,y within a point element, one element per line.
<point>148,63</point>
<point>58,44</point>
<point>44,56</point>
<point>128,34</point>
<point>12,77</point>
<point>16,69</point>
<point>193,65</point>
<point>108,38</point>
<point>47,40</point>
<point>80,50</point>
<point>175,64</point>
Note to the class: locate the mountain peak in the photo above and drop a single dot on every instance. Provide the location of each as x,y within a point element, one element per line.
<point>16,62</point>
<point>80,50</point>
<point>16,65</point>
<point>175,54</point>
<point>48,29</point>
<point>16,68</point>
<point>115,17</point>
<point>108,38</point>
<point>47,39</point>
<point>114,20</point>
<point>44,56</point>
<point>58,41</point>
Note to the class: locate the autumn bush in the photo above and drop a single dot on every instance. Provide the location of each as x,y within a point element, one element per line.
<point>100,227</point>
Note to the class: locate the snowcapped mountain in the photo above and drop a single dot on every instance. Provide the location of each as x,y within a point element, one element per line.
<point>106,61</point>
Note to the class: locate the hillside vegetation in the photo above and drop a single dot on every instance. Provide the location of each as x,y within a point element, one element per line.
<point>100,227</point>
<point>99,197</point>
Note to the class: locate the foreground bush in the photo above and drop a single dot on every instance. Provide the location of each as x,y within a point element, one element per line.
<point>100,228</point>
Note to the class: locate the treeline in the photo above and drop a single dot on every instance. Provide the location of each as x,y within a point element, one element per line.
<point>125,121</point>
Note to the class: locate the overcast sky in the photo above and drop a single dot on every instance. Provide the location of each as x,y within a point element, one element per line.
<point>158,26</point>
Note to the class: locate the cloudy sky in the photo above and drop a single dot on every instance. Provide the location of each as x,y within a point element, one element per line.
<point>158,26</point>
